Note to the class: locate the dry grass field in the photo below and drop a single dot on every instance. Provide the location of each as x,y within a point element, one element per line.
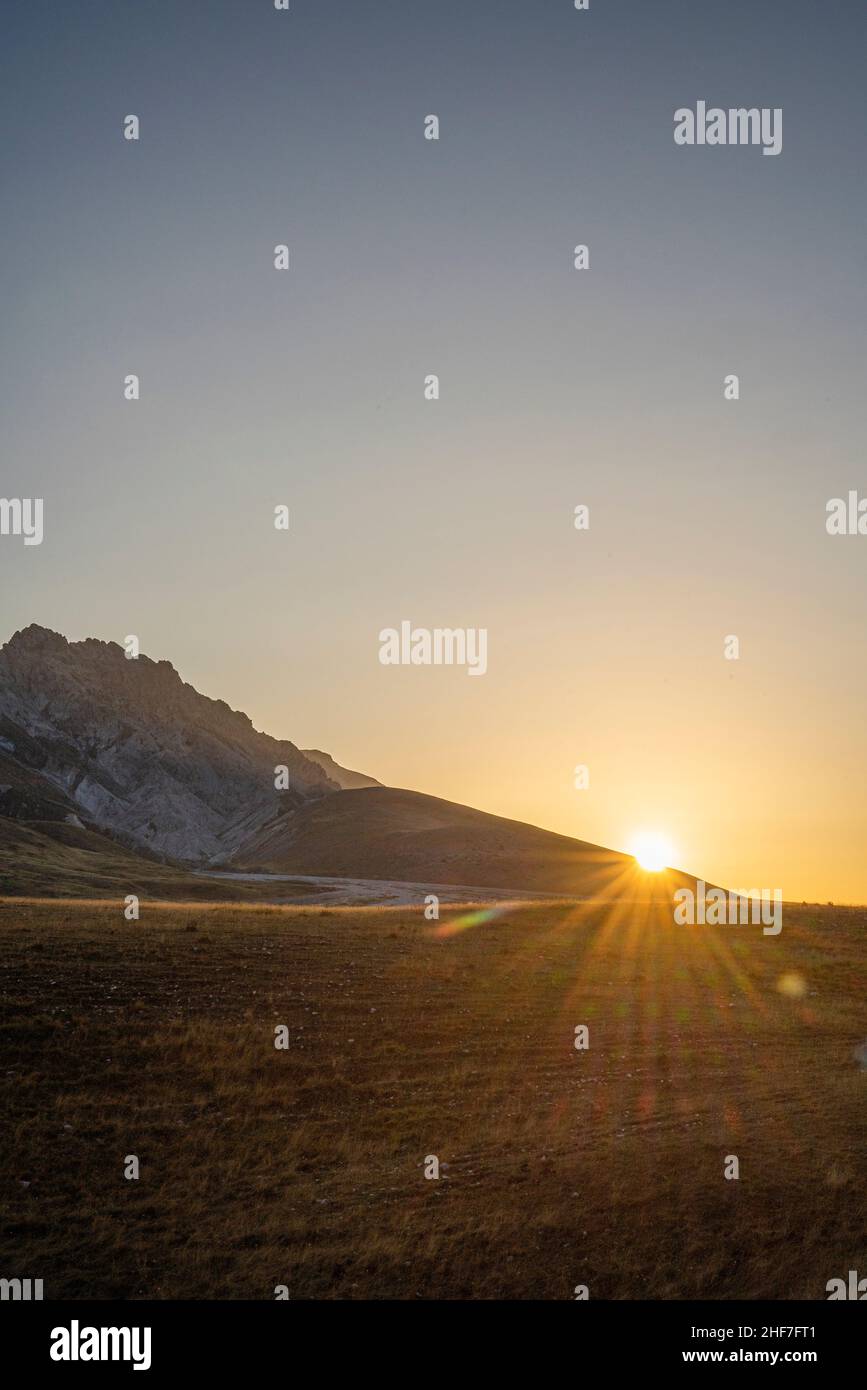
<point>304,1167</point>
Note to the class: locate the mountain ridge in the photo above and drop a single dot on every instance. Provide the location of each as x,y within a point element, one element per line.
<point>92,741</point>
<point>395,833</point>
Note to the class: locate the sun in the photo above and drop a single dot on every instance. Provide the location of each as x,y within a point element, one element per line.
<point>652,851</point>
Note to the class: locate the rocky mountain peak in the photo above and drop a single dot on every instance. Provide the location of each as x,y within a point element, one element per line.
<point>139,750</point>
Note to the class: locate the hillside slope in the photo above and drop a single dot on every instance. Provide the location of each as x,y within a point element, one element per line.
<point>55,859</point>
<point>344,777</point>
<point>386,832</point>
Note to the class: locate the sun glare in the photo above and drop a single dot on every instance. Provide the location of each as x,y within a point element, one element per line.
<point>652,851</point>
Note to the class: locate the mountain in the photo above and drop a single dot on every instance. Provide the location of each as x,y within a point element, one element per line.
<point>345,779</point>
<point>126,746</point>
<point>389,833</point>
<point>112,769</point>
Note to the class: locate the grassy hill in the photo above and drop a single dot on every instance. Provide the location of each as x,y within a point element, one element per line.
<point>386,832</point>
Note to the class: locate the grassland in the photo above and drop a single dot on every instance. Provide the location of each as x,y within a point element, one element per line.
<point>54,860</point>
<point>304,1167</point>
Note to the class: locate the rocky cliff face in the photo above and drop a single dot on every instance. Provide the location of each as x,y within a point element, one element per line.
<point>138,751</point>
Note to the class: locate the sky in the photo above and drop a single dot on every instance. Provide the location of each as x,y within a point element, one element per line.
<point>558,387</point>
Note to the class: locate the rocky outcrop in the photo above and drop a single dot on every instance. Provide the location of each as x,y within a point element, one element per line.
<point>138,751</point>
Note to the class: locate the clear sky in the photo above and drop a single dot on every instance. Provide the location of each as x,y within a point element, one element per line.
<point>558,387</point>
